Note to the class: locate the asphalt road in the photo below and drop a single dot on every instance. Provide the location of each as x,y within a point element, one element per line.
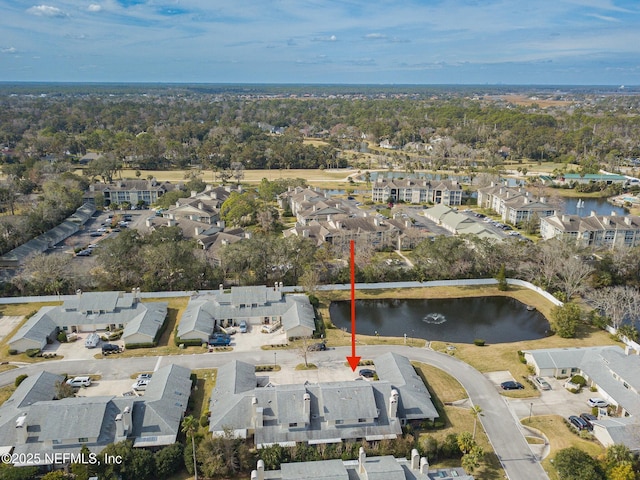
<point>502,428</point>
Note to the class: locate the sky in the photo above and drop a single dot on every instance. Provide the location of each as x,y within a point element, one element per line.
<point>574,42</point>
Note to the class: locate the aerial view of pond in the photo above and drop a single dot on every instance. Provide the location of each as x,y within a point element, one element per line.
<point>461,320</point>
<point>584,207</point>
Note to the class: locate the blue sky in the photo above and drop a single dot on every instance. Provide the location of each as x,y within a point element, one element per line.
<point>322,41</point>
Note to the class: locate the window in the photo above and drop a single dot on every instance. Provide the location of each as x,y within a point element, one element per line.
<point>339,422</point>
<point>293,425</point>
<point>362,420</point>
<point>83,440</point>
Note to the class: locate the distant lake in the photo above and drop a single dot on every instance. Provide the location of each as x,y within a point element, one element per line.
<point>598,205</point>
<point>493,319</point>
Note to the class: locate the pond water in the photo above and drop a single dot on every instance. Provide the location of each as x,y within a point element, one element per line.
<point>588,205</point>
<point>461,320</point>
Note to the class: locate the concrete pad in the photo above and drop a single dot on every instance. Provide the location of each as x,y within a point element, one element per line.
<point>108,388</point>
<point>76,350</point>
<point>255,339</point>
<point>498,377</point>
<point>8,323</point>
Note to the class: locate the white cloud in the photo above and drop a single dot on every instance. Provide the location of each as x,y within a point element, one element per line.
<point>46,11</point>
<point>9,50</point>
<point>331,38</point>
<point>94,7</point>
<point>375,36</point>
<point>606,18</point>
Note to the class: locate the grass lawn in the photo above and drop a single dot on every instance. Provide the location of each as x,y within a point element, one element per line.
<point>444,390</point>
<point>560,436</point>
<point>202,393</point>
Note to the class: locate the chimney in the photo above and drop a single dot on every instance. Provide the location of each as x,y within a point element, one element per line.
<point>314,208</point>
<point>221,288</point>
<point>198,231</point>
<point>306,407</point>
<point>508,194</point>
<point>305,233</point>
<point>415,459</point>
<point>148,223</point>
<point>240,188</point>
<point>328,218</point>
<point>171,223</point>
<point>21,429</point>
<point>224,242</point>
<point>200,205</point>
<point>605,220</point>
<point>338,225</point>
<point>613,214</point>
<point>247,235</point>
<point>221,224</point>
<point>260,470</point>
<point>424,466</point>
<point>78,293</point>
<point>593,213</point>
<point>393,404</point>
<point>254,475</point>
<point>258,419</point>
<point>627,350</point>
<point>543,199</point>
<point>208,188</point>
<point>376,221</point>
<point>193,193</point>
<point>362,456</point>
<point>526,200</point>
<point>565,218</point>
<point>120,433</point>
<point>627,220</point>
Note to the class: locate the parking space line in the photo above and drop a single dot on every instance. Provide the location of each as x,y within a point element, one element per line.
<point>155,369</point>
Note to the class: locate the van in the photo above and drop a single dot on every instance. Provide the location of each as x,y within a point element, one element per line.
<point>78,382</point>
<point>92,340</point>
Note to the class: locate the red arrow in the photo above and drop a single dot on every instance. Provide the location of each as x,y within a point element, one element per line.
<point>353,359</point>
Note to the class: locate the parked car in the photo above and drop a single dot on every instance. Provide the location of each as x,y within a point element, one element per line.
<point>578,422</point>
<point>367,373</point>
<point>219,340</point>
<point>597,402</point>
<point>95,234</point>
<point>78,382</point>
<point>92,340</point>
<point>511,385</point>
<point>144,376</point>
<point>110,348</point>
<point>84,253</point>
<point>587,417</point>
<point>243,326</point>
<point>140,385</point>
<point>541,383</point>
<point>317,347</point>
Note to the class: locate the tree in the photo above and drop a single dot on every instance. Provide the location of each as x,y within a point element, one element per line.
<point>575,464</point>
<point>237,171</point>
<point>239,208</point>
<point>502,279</point>
<point>56,475</point>
<point>471,460</point>
<point>565,319</point>
<point>63,390</point>
<point>476,411</point>
<point>189,427</point>
<point>303,349</point>
<point>169,460</point>
<point>617,454</point>
<point>142,466</point>
<point>573,275</point>
<point>465,442</point>
<point>617,304</point>
<point>48,274</point>
<point>622,471</point>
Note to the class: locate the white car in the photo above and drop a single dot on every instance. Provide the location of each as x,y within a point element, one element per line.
<point>140,385</point>
<point>144,376</point>
<point>597,402</point>
<point>78,382</point>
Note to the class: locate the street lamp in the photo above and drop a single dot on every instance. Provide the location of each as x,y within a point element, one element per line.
<point>530,410</point>
<point>274,361</point>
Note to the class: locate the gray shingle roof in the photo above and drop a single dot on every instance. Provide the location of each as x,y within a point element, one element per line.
<point>300,313</point>
<point>38,327</point>
<point>147,322</point>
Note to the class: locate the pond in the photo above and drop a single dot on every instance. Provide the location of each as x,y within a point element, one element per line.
<point>584,207</point>
<point>461,320</point>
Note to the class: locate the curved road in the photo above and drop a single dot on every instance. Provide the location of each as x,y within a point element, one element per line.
<point>502,428</point>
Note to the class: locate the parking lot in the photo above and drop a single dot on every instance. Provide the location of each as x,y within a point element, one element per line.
<point>557,401</point>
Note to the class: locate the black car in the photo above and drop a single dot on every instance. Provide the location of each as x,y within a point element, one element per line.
<point>587,417</point>
<point>511,385</point>
<point>110,348</point>
<point>367,373</point>
<point>316,347</point>
<point>578,422</point>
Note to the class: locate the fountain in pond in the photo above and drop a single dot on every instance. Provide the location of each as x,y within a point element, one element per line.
<point>434,318</point>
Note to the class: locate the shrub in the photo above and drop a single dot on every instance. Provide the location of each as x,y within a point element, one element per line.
<point>479,342</point>
<point>20,379</point>
<point>132,346</point>
<point>62,337</point>
<point>204,420</point>
<point>32,352</point>
<point>578,380</point>
<point>13,351</point>
<point>521,357</point>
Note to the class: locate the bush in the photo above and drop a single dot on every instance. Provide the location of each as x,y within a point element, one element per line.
<point>20,379</point>
<point>133,346</point>
<point>62,337</point>
<point>479,342</point>
<point>521,357</point>
<point>13,351</point>
<point>204,420</point>
<point>32,352</point>
<point>578,380</point>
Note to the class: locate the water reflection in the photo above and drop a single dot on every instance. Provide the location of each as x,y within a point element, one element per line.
<point>494,319</point>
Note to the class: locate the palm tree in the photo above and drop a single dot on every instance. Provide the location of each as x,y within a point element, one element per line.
<point>476,411</point>
<point>189,427</point>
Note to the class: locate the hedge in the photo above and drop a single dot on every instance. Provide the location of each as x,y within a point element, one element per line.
<point>132,346</point>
